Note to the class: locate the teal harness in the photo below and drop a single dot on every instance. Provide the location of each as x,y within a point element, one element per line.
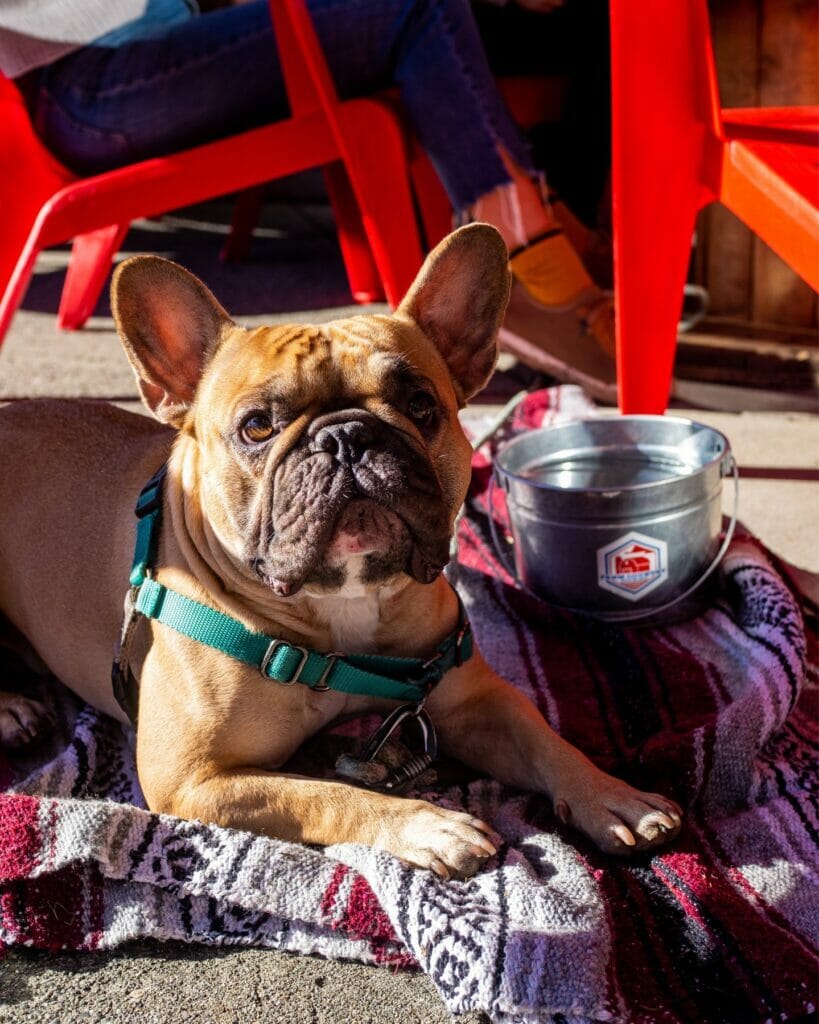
<point>404,679</point>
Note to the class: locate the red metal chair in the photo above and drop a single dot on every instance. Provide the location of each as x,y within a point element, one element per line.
<point>674,151</point>
<point>361,141</point>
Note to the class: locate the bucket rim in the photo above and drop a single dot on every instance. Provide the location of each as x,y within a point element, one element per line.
<point>642,487</point>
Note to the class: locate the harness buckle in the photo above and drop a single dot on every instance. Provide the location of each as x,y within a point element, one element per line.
<point>321,686</point>
<point>272,647</point>
<point>431,661</point>
<point>459,643</point>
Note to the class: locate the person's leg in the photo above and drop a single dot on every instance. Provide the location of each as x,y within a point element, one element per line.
<point>217,74</point>
<point>558,320</point>
<point>206,78</point>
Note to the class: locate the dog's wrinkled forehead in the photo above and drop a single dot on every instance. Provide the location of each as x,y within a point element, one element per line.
<point>357,362</point>
<point>181,342</point>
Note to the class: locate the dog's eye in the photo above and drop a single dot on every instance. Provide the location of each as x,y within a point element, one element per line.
<point>257,428</point>
<point>421,408</point>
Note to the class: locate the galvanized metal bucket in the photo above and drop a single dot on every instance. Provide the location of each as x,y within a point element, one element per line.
<point>617,517</point>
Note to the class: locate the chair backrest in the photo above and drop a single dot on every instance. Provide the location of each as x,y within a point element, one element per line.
<point>29,175</point>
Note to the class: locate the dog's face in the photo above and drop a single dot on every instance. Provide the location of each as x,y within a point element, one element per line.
<point>335,450</point>
<point>327,456</point>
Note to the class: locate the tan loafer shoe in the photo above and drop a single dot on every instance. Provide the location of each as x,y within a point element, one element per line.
<point>560,340</point>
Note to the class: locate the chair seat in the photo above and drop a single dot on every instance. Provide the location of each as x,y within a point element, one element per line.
<point>797,125</point>
<point>774,188</point>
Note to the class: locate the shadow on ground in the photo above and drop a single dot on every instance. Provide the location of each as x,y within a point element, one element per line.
<point>294,262</point>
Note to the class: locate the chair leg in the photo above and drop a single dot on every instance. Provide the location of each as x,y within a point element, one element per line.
<point>91,256</point>
<point>373,138</point>
<point>661,145</point>
<point>650,267</point>
<point>17,283</point>
<point>246,212</point>
<point>433,202</point>
<point>362,273</point>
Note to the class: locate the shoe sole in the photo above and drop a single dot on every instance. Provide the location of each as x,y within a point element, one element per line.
<point>537,358</point>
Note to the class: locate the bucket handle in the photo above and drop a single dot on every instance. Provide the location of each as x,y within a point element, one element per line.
<point>626,615</point>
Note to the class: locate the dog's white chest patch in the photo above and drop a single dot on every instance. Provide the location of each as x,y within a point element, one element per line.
<point>352,613</point>
<point>353,621</point>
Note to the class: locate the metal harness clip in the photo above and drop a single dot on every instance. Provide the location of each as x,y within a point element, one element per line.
<point>366,771</point>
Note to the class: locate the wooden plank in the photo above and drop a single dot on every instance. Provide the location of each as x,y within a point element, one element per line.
<point>788,75</point>
<point>727,271</point>
<point>707,356</point>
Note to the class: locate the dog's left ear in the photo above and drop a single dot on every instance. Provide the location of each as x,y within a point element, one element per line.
<point>459,298</point>
<point>170,326</point>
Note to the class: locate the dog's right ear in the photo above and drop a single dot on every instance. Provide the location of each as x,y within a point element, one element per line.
<point>170,326</point>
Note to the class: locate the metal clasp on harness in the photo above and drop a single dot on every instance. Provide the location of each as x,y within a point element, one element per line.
<point>272,647</point>
<point>367,772</point>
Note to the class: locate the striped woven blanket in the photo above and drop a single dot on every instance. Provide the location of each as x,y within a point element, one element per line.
<point>723,926</point>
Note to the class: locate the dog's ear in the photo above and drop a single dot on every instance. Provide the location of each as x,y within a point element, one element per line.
<point>459,298</point>
<point>170,326</point>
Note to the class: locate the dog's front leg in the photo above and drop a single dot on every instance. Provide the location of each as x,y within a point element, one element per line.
<point>299,809</point>
<point>486,723</point>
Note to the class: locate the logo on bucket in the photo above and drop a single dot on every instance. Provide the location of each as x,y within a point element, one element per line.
<point>632,566</point>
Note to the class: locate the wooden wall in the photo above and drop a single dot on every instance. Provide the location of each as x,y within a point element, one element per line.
<point>767,54</point>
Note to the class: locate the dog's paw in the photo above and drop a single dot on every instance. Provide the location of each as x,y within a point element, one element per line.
<point>450,843</point>
<point>23,722</point>
<point>618,818</point>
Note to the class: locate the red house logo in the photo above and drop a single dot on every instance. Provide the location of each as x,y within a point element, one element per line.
<point>632,566</point>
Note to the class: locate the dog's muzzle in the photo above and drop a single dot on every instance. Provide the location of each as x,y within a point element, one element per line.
<point>350,467</point>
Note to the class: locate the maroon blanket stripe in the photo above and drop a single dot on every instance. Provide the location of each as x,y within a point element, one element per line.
<point>647,975</point>
<point>328,899</point>
<point>603,704</point>
<point>762,953</point>
<point>20,849</point>
<point>722,944</point>
<point>709,978</point>
<point>647,652</point>
<point>625,679</point>
<point>61,910</point>
<point>673,757</point>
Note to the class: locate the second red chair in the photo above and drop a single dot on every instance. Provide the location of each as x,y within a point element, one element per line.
<point>360,140</point>
<point>674,151</point>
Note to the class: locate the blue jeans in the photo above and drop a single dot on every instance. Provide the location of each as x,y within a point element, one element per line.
<point>218,74</point>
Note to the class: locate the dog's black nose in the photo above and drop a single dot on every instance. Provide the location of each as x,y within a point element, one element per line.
<point>347,440</point>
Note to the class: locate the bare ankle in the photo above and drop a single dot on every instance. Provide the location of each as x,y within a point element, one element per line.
<point>517,208</point>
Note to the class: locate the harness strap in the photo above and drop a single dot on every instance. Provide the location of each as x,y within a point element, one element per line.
<point>406,679</point>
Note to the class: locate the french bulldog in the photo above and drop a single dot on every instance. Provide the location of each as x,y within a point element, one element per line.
<point>314,474</point>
